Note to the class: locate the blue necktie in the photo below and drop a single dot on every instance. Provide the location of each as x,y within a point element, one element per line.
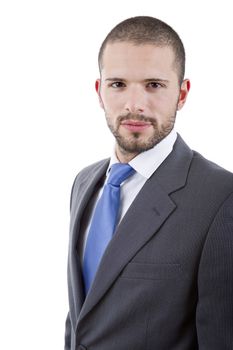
<point>104,221</point>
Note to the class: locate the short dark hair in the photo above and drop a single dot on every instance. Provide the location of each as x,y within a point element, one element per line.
<point>143,30</point>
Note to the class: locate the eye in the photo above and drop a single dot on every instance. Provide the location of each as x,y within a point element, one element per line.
<point>117,84</point>
<point>154,85</point>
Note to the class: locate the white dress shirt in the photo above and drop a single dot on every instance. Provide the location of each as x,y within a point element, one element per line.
<point>145,164</point>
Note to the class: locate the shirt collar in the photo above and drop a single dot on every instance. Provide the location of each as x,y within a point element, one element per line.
<point>147,162</point>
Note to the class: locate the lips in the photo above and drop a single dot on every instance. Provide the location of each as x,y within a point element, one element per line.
<point>135,125</point>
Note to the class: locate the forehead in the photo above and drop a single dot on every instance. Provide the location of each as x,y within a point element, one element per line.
<point>126,56</point>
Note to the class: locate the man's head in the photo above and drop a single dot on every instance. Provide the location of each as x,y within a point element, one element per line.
<point>142,63</point>
<point>144,30</point>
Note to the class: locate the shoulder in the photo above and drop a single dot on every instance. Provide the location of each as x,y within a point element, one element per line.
<point>201,169</point>
<point>208,182</point>
<point>88,176</point>
<point>91,170</point>
<point>210,171</point>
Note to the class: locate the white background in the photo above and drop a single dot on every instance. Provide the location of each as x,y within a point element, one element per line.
<point>51,126</point>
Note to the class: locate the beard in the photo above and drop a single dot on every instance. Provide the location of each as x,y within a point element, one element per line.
<point>136,142</point>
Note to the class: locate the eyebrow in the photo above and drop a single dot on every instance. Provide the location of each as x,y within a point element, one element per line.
<point>114,79</point>
<point>145,80</point>
<point>156,79</point>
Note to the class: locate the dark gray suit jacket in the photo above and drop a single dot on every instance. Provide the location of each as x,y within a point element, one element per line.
<point>165,281</point>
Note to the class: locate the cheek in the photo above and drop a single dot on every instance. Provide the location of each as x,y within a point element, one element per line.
<point>112,105</point>
<point>158,106</point>
<point>164,106</point>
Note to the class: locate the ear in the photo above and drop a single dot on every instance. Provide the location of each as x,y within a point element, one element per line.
<point>184,90</point>
<point>97,89</point>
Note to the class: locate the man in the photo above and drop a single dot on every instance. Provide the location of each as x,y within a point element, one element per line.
<point>163,277</point>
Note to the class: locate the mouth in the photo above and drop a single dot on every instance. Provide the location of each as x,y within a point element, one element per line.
<point>135,125</point>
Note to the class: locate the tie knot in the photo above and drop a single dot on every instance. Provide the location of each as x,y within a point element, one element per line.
<point>119,172</point>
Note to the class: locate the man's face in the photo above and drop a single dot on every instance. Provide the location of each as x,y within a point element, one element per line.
<point>140,93</point>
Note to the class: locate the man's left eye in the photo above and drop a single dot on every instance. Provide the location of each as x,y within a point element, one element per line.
<point>154,85</point>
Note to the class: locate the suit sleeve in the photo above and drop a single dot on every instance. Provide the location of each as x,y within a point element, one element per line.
<point>68,323</point>
<point>67,333</point>
<point>214,319</point>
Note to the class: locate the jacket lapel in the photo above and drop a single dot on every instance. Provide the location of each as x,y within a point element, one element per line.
<point>153,206</point>
<point>82,192</point>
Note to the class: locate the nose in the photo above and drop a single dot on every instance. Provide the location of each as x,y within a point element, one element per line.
<point>135,101</point>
